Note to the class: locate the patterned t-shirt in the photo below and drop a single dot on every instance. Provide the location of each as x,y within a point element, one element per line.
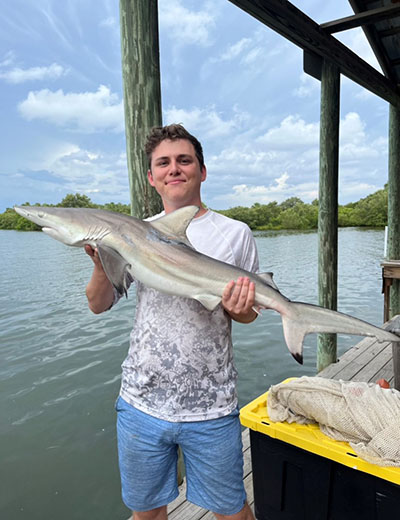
<point>180,361</point>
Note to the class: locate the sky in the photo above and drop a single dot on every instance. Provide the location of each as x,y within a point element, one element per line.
<point>231,81</point>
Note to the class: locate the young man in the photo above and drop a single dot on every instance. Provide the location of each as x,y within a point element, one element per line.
<point>178,380</point>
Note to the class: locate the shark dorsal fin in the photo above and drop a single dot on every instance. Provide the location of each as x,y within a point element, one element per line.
<point>175,224</point>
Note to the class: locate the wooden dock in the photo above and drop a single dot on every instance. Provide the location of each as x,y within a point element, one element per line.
<point>367,361</point>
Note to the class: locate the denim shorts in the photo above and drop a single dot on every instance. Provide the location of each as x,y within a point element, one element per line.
<point>148,453</point>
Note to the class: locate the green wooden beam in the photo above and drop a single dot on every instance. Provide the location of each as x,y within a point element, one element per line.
<point>142,96</point>
<point>328,205</point>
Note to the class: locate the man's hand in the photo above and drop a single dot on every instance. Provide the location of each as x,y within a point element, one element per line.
<point>94,255</point>
<point>238,300</point>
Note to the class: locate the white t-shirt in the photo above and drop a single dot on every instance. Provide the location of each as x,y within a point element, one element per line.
<point>180,361</point>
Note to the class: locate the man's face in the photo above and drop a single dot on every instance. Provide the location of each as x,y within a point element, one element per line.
<point>176,174</point>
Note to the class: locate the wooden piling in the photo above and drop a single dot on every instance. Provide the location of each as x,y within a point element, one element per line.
<point>142,96</point>
<point>393,245</point>
<point>328,205</point>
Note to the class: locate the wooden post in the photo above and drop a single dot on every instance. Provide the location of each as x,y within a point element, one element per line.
<point>393,245</point>
<point>142,96</point>
<point>328,205</point>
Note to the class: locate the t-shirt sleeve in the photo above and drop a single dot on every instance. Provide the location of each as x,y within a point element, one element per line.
<point>249,254</point>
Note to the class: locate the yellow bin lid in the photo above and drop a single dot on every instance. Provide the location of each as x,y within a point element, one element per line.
<point>310,438</point>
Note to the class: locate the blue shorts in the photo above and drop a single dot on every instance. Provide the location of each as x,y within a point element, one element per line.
<point>148,454</point>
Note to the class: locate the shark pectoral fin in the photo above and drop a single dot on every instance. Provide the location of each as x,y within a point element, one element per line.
<point>116,268</point>
<point>209,301</point>
<point>268,278</point>
<point>175,223</point>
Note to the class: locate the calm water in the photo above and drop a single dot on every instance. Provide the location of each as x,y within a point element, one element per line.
<point>60,364</point>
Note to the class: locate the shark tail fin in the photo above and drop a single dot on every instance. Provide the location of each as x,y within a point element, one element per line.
<point>299,319</point>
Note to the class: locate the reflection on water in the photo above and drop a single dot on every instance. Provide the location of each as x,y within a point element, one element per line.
<point>60,364</point>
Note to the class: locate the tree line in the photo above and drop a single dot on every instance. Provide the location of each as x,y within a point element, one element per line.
<point>292,213</point>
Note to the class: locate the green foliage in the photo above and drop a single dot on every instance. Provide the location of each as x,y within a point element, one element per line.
<point>370,211</point>
<point>293,213</point>
<point>76,201</point>
<point>300,216</point>
<point>119,208</point>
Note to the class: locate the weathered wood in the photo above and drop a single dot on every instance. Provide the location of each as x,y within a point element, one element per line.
<point>393,245</point>
<point>284,18</point>
<point>369,365</point>
<point>142,96</point>
<point>364,18</point>
<point>328,205</point>
<point>373,36</point>
<point>367,361</point>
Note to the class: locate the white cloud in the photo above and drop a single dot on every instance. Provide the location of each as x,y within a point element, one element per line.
<point>206,122</point>
<point>183,26</point>
<point>284,162</point>
<point>109,22</point>
<point>353,191</point>
<point>85,171</point>
<point>293,131</point>
<point>355,145</point>
<point>259,50</point>
<point>18,75</point>
<point>234,50</point>
<point>309,86</point>
<point>8,59</point>
<point>278,190</point>
<point>86,111</point>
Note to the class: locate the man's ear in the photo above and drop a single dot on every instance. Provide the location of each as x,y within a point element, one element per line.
<point>150,177</point>
<point>203,174</point>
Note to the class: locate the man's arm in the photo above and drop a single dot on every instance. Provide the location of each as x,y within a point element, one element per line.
<point>99,290</point>
<point>238,299</point>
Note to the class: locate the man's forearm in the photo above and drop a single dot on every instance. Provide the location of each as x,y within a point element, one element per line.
<point>99,292</point>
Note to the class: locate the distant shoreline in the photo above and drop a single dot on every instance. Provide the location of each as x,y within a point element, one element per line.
<point>291,214</point>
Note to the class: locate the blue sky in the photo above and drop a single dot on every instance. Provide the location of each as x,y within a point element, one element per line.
<point>234,83</point>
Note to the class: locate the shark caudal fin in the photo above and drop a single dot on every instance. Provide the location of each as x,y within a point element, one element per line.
<point>300,319</point>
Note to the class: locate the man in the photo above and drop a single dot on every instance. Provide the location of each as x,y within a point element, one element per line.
<point>178,381</point>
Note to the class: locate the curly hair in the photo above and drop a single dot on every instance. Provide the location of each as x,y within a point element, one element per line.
<point>172,132</point>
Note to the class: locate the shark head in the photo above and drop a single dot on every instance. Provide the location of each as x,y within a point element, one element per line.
<point>63,224</point>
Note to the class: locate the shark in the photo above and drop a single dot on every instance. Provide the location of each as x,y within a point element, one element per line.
<point>158,254</point>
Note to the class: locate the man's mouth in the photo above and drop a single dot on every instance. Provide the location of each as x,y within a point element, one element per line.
<point>176,181</point>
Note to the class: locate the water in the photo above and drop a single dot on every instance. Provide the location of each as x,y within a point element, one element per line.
<point>60,364</point>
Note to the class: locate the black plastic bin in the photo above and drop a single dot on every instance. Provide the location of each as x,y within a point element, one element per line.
<point>294,484</point>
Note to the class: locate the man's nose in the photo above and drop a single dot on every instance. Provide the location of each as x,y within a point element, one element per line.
<point>174,168</point>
